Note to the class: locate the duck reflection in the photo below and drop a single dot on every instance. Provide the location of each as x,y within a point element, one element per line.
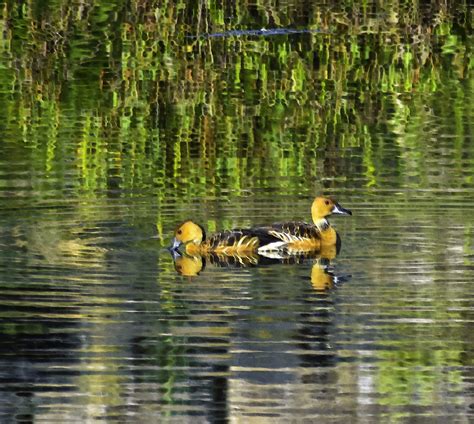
<point>322,274</point>
<point>189,266</point>
<point>192,265</point>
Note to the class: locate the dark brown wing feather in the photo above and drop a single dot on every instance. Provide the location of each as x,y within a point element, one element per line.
<point>231,237</point>
<point>285,231</point>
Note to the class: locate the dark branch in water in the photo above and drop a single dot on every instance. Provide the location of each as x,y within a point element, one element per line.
<point>263,32</point>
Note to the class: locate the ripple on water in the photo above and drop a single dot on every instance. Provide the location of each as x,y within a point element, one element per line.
<point>94,313</point>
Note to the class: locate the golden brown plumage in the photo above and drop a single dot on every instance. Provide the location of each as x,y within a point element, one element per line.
<point>298,237</point>
<point>231,242</point>
<point>290,237</point>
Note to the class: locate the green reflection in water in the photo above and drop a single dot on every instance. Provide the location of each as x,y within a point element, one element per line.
<point>127,94</point>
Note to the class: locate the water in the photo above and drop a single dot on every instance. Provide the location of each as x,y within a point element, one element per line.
<point>118,123</point>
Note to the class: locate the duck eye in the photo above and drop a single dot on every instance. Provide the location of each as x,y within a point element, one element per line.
<point>326,202</point>
<point>180,231</point>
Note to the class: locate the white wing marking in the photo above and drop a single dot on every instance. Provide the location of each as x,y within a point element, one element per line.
<point>275,254</point>
<point>275,246</point>
<point>285,244</point>
<point>287,238</point>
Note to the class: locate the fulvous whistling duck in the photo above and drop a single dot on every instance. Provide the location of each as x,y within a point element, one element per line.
<point>295,237</point>
<point>231,242</point>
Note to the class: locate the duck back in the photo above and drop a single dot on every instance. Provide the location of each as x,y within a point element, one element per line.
<point>289,236</point>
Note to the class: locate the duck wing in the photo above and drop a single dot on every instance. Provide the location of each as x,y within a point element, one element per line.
<point>240,240</point>
<point>297,236</point>
<point>231,242</point>
<point>291,231</point>
<point>288,235</point>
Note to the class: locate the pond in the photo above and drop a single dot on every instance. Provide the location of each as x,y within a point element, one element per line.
<point>121,120</point>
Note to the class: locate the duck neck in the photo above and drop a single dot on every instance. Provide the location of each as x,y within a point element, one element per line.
<point>192,248</point>
<point>327,233</point>
<point>322,224</point>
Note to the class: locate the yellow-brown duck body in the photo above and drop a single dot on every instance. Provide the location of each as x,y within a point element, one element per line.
<point>300,237</point>
<point>231,242</point>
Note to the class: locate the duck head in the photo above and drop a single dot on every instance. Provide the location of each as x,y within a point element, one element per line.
<point>323,207</point>
<point>188,232</point>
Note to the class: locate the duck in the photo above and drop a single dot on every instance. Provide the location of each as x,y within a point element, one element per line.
<point>192,236</point>
<point>300,237</point>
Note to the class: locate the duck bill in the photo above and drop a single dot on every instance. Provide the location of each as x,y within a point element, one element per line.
<point>174,245</point>
<point>338,209</point>
<point>175,253</point>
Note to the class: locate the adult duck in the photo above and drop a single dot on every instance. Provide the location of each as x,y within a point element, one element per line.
<point>299,237</point>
